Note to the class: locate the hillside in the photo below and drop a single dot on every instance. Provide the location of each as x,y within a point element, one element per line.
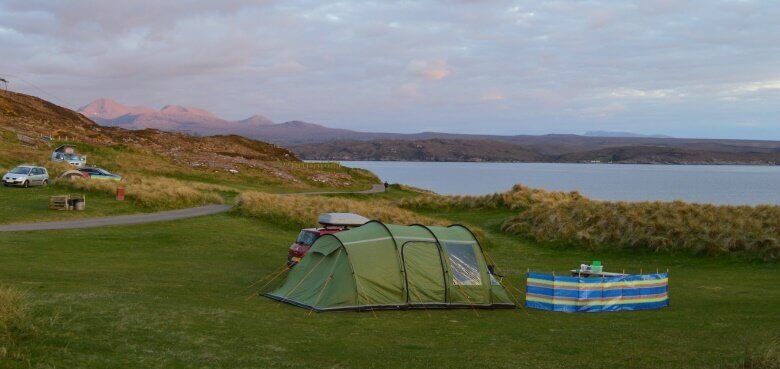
<point>418,150</point>
<point>30,127</point>
<point>550,149</point>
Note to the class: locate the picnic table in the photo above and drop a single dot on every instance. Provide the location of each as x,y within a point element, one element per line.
<point>588,273</point>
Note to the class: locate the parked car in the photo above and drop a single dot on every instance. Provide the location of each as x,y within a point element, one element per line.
<point>67,153</point>
<point>99,173</point>
<point>331,223</point>
<point>26,176</point>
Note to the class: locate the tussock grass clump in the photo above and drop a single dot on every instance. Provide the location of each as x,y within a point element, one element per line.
<point>519,197</point>
<point>152,192</point>
<point>302,211</point>
<point>570,218</point>
<point>14,318</point>
<point>766,357</point>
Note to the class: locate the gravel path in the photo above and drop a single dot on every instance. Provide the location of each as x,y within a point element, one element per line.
<point>118,220</point>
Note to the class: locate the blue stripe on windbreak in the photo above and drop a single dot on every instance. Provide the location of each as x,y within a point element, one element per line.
<point>565,308</point>
<point>539,305</point>
<point>596,308</point>
<point>568,279</point>
<point>646,305</point>
<point>573,294</point>
<point>642,291</point>
<point>590,309</point>
<point>590,294</point>
<point>645,277</point>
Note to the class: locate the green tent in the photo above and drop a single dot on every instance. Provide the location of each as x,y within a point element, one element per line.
<point>385,266</point>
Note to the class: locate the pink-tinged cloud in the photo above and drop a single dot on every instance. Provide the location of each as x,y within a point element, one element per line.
<point>493,96</point>
<point>605,111</point>
<point>433,70</point>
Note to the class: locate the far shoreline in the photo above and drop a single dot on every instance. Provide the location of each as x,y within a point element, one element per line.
<point>538,162</point>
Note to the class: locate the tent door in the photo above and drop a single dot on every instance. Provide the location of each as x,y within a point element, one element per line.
<point>425,281</point>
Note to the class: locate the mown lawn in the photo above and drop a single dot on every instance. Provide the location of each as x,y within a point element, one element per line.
<point>22,205</point>
<point>175,295</point>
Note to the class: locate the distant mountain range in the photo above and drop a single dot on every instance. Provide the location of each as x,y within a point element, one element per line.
<point>317,142</point>
<point>621,134</point>
<point>170,118</point>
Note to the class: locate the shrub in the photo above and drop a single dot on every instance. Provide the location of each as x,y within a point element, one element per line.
<point>570,218</point>
<point>151,192</point>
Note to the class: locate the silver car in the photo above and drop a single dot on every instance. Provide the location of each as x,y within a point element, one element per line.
<point>26,176</point>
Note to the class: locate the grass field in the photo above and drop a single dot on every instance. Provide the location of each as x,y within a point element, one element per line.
<point>22,205</point>
<point>175,295</point>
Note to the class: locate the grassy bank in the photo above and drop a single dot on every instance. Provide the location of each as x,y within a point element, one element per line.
<point>177,295</point>
<point>572,219</point>
<point>302,211</point>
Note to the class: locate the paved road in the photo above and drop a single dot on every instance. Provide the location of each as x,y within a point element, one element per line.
<point>118,220</point>
<point>148,217</point>
<point>377,188</point>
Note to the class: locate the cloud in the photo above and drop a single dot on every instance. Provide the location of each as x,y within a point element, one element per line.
<point>773,84</point>
<point>605,111</point>
<point>433,70</point>
<point>411,90</point>
<point>633,93</point>
<point>368,65</point>
<point>493,96</point>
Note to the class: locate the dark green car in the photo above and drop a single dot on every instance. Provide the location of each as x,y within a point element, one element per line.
<point>99,173</point>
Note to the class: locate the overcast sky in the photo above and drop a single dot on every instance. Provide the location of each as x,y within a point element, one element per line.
<point>683,68</point>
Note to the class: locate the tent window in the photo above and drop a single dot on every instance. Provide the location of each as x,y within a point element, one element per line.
<point>494,281</point>
<point>463,261</point>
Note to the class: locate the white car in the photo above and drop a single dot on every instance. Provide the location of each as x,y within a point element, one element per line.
<point>67,153</point>
<point>26,176</point>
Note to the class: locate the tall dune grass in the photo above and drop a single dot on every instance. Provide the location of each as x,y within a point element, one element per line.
<point>519,197</point>
<point>14,319</point>
<point>764,357</point>
<point>152,192</point>
<point>302,211</point>
<point>570,218</point>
